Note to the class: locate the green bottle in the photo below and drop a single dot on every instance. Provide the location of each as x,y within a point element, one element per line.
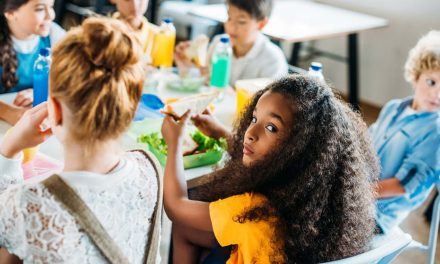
<point>221,64</point>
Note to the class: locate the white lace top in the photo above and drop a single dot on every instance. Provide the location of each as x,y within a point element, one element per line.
<point>38,229</point>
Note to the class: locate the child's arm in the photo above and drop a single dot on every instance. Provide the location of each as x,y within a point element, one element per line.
<point>182,61</point>
<point>10,113</point>
<point>179,208</point>
<point>27,132</point>
<point>210,126</point>
<point>389,188</point>
<point>24,98</point>
<point>418,171</point>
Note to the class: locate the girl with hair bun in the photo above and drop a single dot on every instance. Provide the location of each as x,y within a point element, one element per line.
<point>95,85</point>
<point>25,27</point>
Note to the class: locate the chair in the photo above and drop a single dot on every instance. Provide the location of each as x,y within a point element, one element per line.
<point>430,248</point>
<point>384,250</point>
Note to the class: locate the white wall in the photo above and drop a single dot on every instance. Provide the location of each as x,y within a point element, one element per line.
<point>382,52</point>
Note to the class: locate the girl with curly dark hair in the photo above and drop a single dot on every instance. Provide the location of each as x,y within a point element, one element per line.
<point>297,187</point>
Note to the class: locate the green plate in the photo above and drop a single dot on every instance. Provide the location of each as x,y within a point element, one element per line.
<point>147,126</point>
<point>190,161</point>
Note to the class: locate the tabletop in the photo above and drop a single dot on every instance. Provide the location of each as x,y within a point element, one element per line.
<point>224,110</point>
<point>297,21</point>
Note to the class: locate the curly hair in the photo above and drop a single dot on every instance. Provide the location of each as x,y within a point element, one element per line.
<point>8,59</point>
<point>425,56</point>
<point>319,184</point>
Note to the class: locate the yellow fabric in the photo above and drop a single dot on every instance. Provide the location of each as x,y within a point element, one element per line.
<point>253,241</point>
<point>145,33</point>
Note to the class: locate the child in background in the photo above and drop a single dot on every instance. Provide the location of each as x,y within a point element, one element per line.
<point>297,186</point>
<point>254,56</point>
<point>95,86</point>
<point>25,27</point>
<point>132,12</point>
<point>407,138</point>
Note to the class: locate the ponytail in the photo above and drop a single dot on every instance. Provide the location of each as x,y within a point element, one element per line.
<point>8,59</point>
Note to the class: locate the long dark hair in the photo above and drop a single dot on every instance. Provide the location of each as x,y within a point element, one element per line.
<point>319,182</point>
<point>8,60</point>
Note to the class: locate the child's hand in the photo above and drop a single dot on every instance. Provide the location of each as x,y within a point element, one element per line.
<point>172,130</point>
<point>209,126</point>
<point>24,98</point>
<point>182,61</point>
<point>27,132</point>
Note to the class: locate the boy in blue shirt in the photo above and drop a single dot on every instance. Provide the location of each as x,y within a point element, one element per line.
<point>407,138</point>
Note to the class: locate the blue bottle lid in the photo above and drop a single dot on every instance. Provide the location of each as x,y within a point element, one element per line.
<point>168,20</point>
<point>316,66</point>
<point>224,39</point>
<point>44,52</point>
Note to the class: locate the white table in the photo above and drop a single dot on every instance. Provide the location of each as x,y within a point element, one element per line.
<point>297,21</point>
<point>224,111</point>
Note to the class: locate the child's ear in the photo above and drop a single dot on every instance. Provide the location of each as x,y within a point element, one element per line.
<point>262,23</point>
<point>55,111</point>
<point>9,15</point>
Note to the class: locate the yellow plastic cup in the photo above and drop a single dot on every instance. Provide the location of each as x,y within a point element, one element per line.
<point>28,153</point>
<point>163,53</point>
<point>245,90</point>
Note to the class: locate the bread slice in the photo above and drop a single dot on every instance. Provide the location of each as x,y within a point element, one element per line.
<point>196,103</point>
<point>198,49</point>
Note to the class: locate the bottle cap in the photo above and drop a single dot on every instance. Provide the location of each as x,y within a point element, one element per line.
<point>168,20</point>
<point>44,52</point>
<point>316,66</point>
<point>224,39</point>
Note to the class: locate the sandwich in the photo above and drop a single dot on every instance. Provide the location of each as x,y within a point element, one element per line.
<point>196,103</point>
<point>197,51</point>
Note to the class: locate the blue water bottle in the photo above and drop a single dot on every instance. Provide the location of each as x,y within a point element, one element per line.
<point>41,76</point>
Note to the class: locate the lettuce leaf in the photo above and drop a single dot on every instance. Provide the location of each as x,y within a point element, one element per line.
<point>205,144</point>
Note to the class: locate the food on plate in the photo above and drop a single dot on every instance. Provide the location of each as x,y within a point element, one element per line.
<point>194,143</point>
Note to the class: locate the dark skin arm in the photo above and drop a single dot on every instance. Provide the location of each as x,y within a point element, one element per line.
<point>208,125</point>
<point>179,208</point>
<point>7,258</point>
<point>389,187</point>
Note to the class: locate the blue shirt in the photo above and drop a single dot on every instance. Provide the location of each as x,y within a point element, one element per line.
<point>25,67</point>
<point>408,149</point>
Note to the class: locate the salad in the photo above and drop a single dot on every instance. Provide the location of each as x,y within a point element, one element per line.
<point>198,149</point>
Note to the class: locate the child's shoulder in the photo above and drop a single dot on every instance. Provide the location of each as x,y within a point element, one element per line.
<point>270,47</point>
<point>27,195</point>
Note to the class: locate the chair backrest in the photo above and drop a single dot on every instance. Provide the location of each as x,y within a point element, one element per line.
<point>433,231</point>
<point>431,247</point>
<point>384,250</point>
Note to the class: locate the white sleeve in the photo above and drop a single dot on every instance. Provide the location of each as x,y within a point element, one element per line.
<point>10,172</point>
<point>56,33</point>
<point>12,222</point>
